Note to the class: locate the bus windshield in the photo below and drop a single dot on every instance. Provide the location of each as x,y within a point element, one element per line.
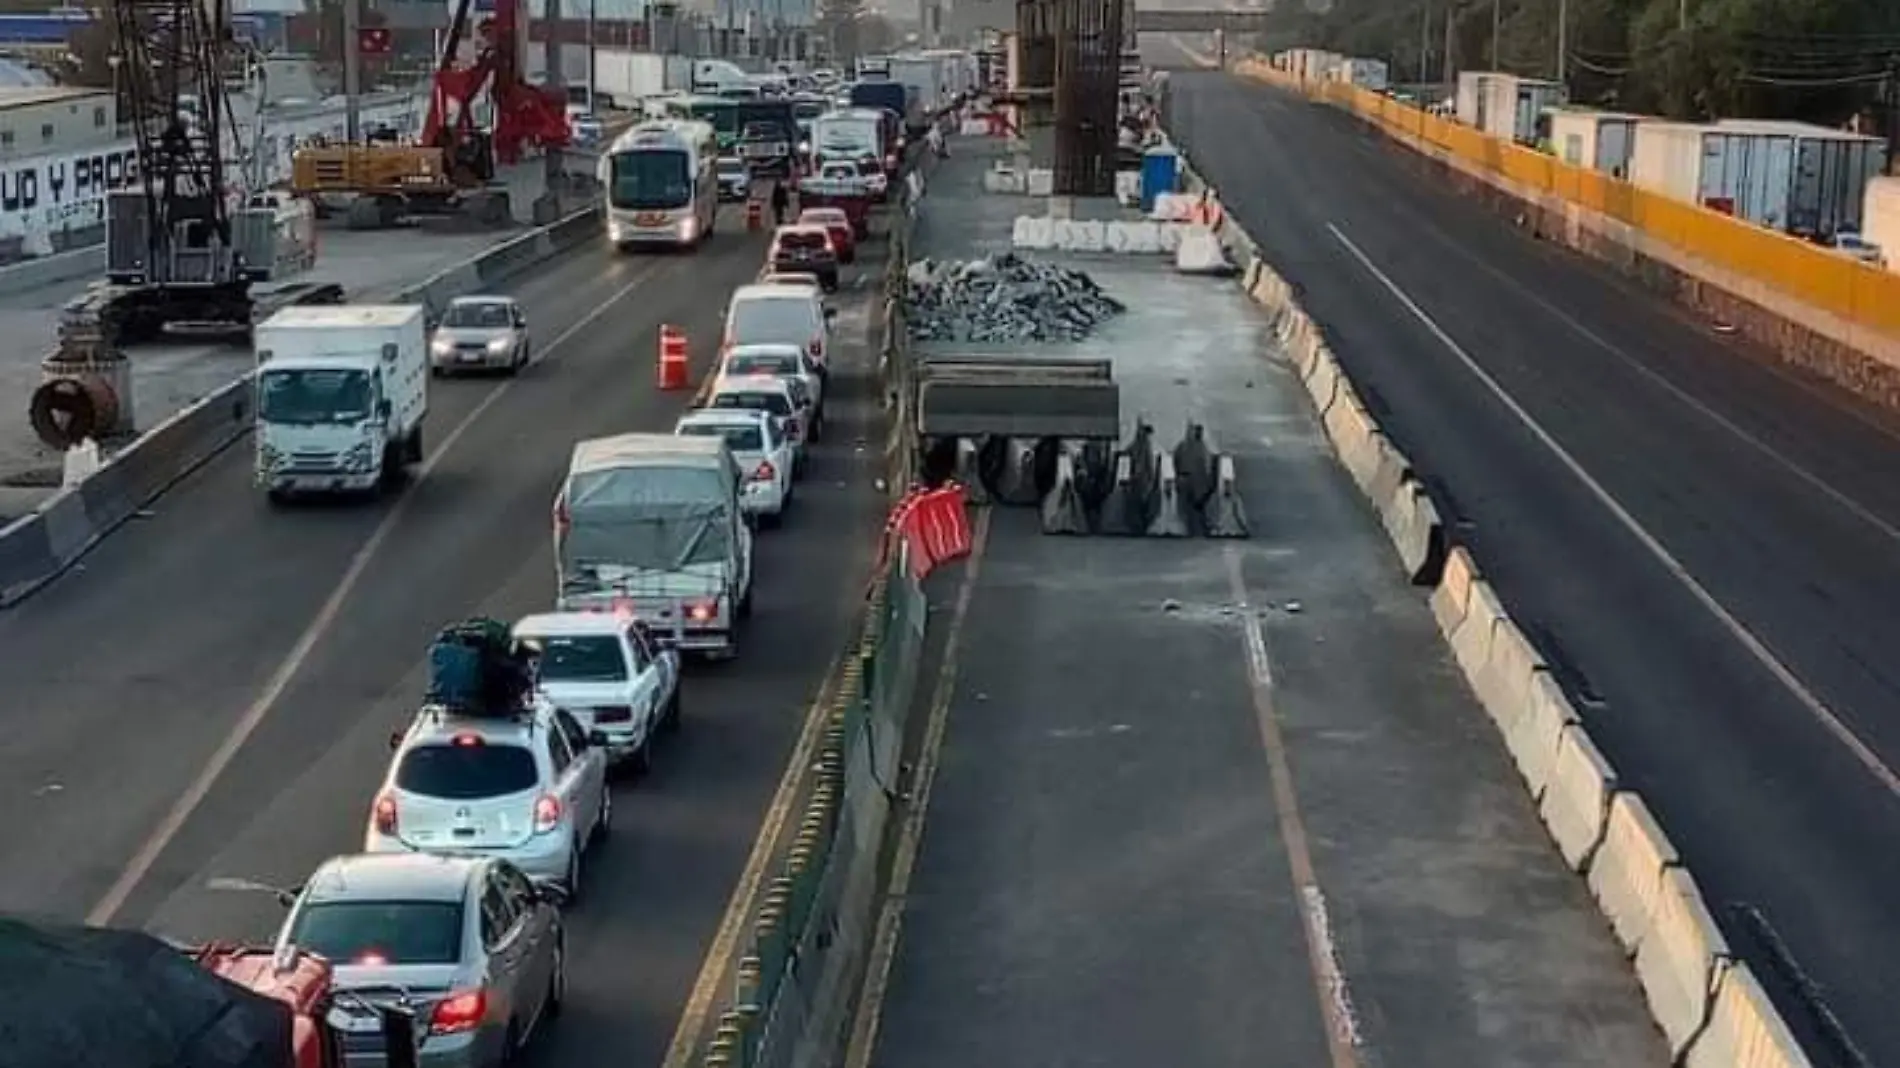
<point>650,180</point>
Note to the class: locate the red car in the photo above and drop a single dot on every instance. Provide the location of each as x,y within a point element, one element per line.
<point>844,237</point>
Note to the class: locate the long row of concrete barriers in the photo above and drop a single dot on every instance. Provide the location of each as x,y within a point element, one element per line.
<point>1709,1005</point>
<point>39,546</point>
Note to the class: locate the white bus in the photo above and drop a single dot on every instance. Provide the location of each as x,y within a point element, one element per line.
<point>661,185</point>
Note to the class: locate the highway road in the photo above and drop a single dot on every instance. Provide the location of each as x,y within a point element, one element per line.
<point>306,626</point>
<point>1704,544</point>
<point>166,378</point>
<point>1207,802</point>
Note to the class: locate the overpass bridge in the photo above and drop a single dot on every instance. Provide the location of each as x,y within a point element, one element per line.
<point>1166,20</point>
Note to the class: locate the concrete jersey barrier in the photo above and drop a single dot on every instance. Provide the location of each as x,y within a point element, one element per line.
<point>1710,1009</point>
<point>38,547</point>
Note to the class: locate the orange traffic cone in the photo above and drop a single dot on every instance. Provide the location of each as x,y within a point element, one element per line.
<point>673,370</point>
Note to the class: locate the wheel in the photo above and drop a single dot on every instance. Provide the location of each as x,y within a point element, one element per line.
<point>412,445</point>
<point>745,604</point>
<point>391,468</point>
<point>604,822</point>
<point>772,520</point>
<point>642,760</point>
<point>557,980</point>
<point>671,720</point>
<point>511,1044</point>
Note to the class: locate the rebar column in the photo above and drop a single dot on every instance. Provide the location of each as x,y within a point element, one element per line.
<point>1088,35</point>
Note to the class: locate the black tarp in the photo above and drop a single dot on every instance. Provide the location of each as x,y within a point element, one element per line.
<point>79,997</point>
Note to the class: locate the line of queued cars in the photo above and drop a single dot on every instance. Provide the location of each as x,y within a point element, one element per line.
<point>478,834</point>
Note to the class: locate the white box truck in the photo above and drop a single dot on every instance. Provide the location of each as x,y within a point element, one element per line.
<point>341,394</point>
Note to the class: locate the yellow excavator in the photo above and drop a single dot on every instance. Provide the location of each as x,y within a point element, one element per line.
<point>452,166</point>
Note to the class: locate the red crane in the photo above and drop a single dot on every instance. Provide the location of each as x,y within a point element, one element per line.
<point>524,114</point>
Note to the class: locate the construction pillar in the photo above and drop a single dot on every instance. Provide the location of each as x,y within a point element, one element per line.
<point>1088,38</point>
<point>547,207</point>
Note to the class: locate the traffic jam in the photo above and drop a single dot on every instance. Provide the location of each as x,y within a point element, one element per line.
<point>444,938</point>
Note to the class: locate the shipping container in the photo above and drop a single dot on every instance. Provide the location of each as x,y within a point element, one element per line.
<point>1514,107</point>
<point>622,77</point>
<point>1596,140</point>
<point>1313,64</point>
<point>1474,96</point>
<point>1810,181</point>
<point>1368,74</point>
<point>1831,172</point>
<point>1880,218</point>
<point>1746,175</point>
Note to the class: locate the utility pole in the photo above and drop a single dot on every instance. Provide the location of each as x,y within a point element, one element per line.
<point>1682,14</point>
<point>593,14</point>
<point>1497,31</point>
<point>547,206</point>
<point>1563,40</point>
<point>352,69</point>
<point>1451,24</point>
<point>1425,43</point>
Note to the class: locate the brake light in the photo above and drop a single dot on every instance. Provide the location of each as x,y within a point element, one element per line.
<point>765,473</point>
<point>547,813</point>
<point>459,1012</point>
<point>386,815</point>
<point>466,738</point>
<point>701,611</point>
<point>613,714</point>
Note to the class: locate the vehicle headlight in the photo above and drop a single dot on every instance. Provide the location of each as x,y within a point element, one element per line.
<point>358,458</point>
<point>269,458</point>
<point>498,345</point>
<point>442,346</point>
<point>687,228</point>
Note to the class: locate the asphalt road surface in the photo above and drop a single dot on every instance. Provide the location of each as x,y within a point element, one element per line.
<point>125,677</point>
<point>1704,544</point>
<point>1225,802</point>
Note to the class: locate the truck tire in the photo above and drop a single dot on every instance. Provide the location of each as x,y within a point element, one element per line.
<point>670,720</point>
<point>412,446</point>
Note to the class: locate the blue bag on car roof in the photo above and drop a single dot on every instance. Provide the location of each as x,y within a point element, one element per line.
<point>475,666</point>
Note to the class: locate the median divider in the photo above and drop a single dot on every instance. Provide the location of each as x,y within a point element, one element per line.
<point>40,546</point>
<point>803,959</point>
<point>1708,1006</point>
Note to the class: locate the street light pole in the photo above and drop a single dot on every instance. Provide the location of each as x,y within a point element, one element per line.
<point>1563,40</point>
<point>593,14</point>
<point>352,69</point>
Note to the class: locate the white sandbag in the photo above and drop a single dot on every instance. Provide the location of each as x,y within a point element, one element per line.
<point>1174,207</point>
<point>1128,187</point>
<point>1141,238</point>
<point>1200,252</point>
<point>1168,237</point>
<point>1042,182</point>
<point>974,128</point>
<point>1004,179</point>
<point>1035,232</point>
<point>1085,235</point>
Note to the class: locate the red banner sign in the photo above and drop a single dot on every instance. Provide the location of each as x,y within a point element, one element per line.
<point>934,526</point>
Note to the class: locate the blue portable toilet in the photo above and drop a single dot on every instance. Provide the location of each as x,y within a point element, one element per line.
<point>1160,173</point>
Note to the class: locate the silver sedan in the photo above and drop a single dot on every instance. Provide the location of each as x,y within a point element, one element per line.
<point>481,334</point>
<point>467,944</point>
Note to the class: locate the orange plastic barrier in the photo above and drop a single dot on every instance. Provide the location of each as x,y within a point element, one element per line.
<point>673,372</point>
<point>1862,294</point>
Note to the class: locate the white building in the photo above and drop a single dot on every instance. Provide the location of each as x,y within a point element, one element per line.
<point>43,120</point>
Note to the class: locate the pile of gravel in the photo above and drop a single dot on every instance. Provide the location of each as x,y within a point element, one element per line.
<point>1003,299</point>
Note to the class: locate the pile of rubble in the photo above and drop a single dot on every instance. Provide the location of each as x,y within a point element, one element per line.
<point>1003,299</point>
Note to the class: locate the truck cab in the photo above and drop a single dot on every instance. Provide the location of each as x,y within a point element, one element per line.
<point>341,395</point>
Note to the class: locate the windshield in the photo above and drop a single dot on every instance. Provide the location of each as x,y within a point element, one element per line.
<point>776,114</point>
<point>462,772</point>
<point>314,397</point>
<point>740,437</point>
<point>487,316</point>
<point>763,363</point>
<point>772,320</point>
<point>382,932</point>
<point>581,658</point>
<point>776,403</point>
<point>761,131</point>
<point>731,168</point>
<point>651,180</point>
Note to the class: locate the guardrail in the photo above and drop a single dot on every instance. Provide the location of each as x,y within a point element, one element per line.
<point>38,547</point>
<point>801,962</point>
<point>1710,1006</point>
<point>1852,305</point>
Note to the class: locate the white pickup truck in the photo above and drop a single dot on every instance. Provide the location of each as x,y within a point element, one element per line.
<point>606,670</point>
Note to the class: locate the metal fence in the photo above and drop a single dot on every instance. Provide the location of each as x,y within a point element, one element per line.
<point>817,915</point>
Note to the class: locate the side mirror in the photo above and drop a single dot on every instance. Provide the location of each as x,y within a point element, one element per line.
<point>383,409</point>
<point>395,740</point>
<point>597,738</point>
<point>830,314</point>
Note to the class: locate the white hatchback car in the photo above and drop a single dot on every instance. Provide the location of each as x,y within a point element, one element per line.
<point>781,397</point>
<point>759,444</point>
<point>530,788</point>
